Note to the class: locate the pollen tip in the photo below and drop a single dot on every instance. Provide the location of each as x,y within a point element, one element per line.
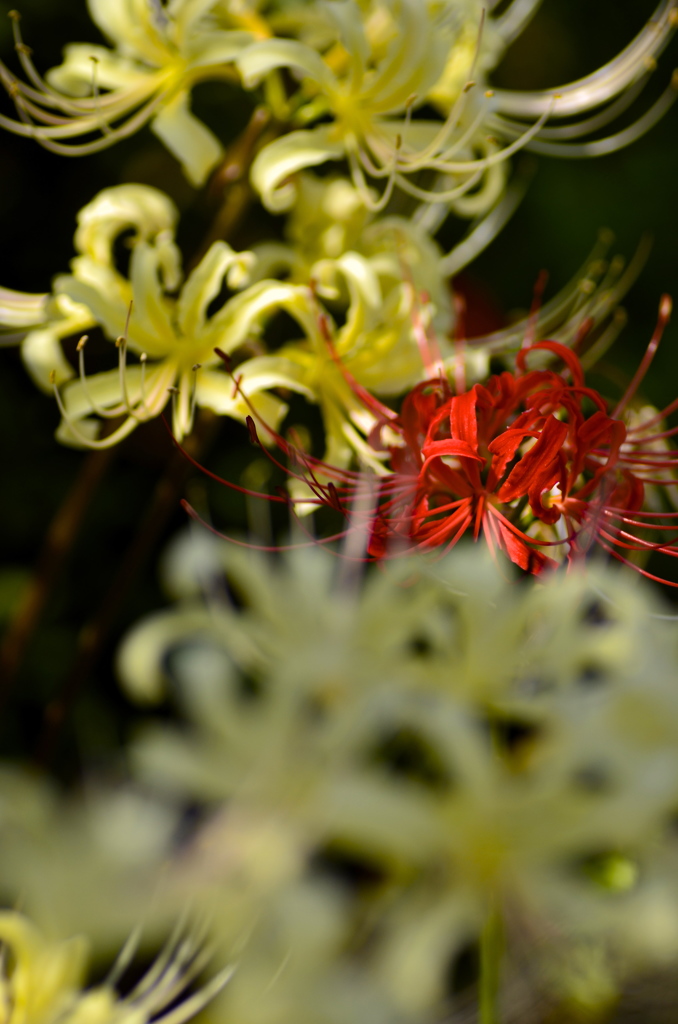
<point>224,357</point>
<point>673,17</point>
<point>196,367</point>
<point>674,79</point>
<point>468,86</point>
<point>14,15</point>
<point>650,63</point>
<point>489,93</point>
<point>52,377</point>
<point>665,307</point>
<point>252,428</point>
<point>81,344</point>
<point>120,341</point>
<point>143,357</point>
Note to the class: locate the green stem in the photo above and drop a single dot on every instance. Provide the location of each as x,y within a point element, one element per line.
<point>491,949</point>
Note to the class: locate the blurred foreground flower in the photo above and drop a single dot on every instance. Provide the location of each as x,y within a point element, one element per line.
<point>386,767</point>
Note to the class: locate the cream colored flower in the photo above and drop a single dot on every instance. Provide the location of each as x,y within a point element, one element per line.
<point>172,338</point>
<point>387,58</point>
<point>473,746</point>
<point>159,53</point>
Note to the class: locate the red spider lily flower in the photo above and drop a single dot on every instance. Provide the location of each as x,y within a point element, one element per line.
<point>533,460</point>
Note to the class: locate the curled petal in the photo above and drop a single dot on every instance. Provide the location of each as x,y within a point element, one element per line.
<point>291,153</point>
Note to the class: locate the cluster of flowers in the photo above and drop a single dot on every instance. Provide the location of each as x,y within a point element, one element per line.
<point>387,784</point>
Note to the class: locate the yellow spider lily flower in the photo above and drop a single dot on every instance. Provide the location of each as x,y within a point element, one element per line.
<point>392,57</point>
<point>159,53</point>
<point>172,338</point>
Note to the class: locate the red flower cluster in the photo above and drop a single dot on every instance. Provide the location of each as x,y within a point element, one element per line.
<point>533,460</point>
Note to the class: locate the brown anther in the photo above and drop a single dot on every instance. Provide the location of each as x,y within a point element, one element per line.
<point>254,437</point>
<point>81,344</point>
<point>172,390</point>
<point>673,17</point>
<point>196,367</point>
<point>22,48</point>
<point>95,60</point>
<point>674,79</point>
<point>398,142</point>
<point>120,341</point>
<point>14,15</point>
<point>469,85</point>
<point>489,93</point>
<point>52,377</point>
<point>650,63</point>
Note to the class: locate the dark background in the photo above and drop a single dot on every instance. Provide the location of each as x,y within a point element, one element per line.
<point>136,500</point>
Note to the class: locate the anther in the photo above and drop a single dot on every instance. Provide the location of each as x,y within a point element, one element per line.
<point>14,15</point>
<point>81,344</point>
<point>489,93</point>
<point>650,63</point>
<point>468,86</point>
<point>120,342</point>
<point>52,373</point>
<point>251,426</point>
<point>196,367</point>
<point>22,48</point>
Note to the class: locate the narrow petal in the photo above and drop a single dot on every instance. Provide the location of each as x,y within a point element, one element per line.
<point>285,156</point>
<point>196,148</point>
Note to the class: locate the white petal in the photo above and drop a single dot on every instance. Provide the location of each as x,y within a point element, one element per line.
<point>75,76</point>
<point>202,285</point>
<point>42,355</point>
<point>140,659</point>
<point>21,309</point>
<point>215,391</point>
<point>258,60</point>
<point>196,148</point>
<point>146,210</point>
<point>291,153</point>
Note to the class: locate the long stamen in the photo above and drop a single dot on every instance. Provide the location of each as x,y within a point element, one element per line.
<point>87,442</point>
<point>665,307</point>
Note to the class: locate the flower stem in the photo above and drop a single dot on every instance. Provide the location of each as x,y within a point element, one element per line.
<point>491,949</point>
